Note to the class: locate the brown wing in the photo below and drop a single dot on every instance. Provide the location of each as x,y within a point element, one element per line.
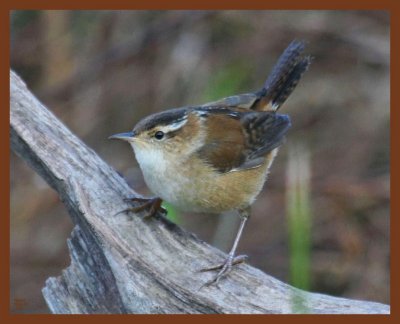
<point>240,139</point>
<point>225,144</point>
<point>264,131</point>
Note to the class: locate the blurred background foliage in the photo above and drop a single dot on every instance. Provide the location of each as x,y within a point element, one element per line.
<point>322,220</point>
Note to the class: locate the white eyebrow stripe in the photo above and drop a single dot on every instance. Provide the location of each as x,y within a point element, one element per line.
<point>175,126</point>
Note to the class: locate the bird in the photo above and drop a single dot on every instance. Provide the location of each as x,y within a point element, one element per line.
<point>215,157</point>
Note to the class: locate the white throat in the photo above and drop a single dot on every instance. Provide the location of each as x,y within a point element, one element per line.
<point>150,160</point>
<point>157,173</point>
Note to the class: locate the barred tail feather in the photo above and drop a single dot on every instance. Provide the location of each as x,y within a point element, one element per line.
<point>284,77</point>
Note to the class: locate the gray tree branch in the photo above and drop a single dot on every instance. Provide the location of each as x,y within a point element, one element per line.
<point>123,264</point>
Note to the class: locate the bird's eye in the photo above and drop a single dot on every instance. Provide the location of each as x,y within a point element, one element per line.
<point>159,135</point>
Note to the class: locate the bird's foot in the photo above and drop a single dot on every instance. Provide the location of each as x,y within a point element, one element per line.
<point>224,268</point>
<point>151,205</point>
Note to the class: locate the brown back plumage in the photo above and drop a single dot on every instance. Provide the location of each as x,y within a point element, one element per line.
<point>244,140</point>
<point>247,135</point>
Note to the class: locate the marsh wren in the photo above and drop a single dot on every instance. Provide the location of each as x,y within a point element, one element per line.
<point>215,157</point>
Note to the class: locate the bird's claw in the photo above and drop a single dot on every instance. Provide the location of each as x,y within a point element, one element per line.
<point>152,205</point>
<point>225,268</point>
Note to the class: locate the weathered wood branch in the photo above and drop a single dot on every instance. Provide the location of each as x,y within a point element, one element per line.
<point>122,264</point>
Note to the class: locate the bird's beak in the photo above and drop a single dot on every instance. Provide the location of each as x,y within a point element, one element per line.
<point>123,136</point>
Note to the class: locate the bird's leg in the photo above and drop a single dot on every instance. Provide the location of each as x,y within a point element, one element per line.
<point>231,260</point>
<point>152,205</point>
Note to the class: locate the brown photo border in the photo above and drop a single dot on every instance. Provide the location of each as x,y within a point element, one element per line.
<point>6,6</point>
